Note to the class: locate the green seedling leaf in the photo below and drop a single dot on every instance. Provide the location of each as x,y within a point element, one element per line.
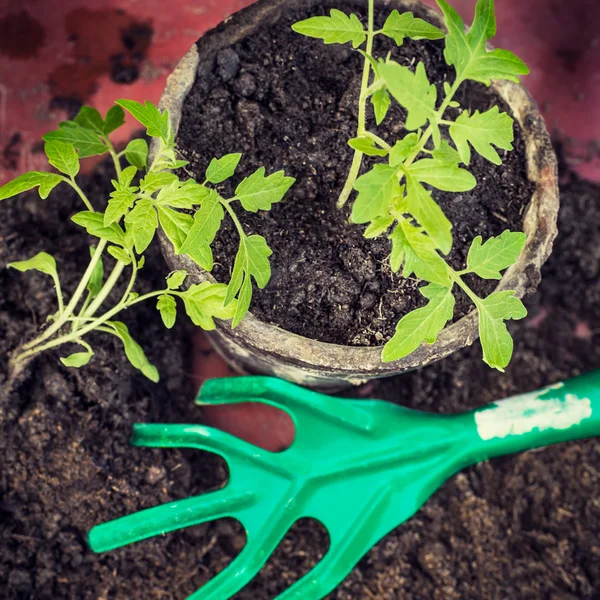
<point>115,118</point>
<point>367,146</point>
<point>252,260</point>
<point>133,351</point>
<point>338,28</point>
<point>42,262</point>
<point>467,52</point>
<point>175,280</point>
<point>258,192</point>
<point>157,124</point>
<point>412,90</point>
<point>28,181</point>
<point>381,102</point>
<point>496,342</point>
<point>87,142</point>
<point>421,325</point>
<point>183,195</point>
<point>447,154</point>
<point>403,149</point>
<point>175,224</point>
<point>415,252</point>
<point>120,254</point>
<point>429,215</point>
<point>223,168</point>
<point>444,176</point>
<point>89,118</point>
<point>63,157</point>
<point>378,227</point>
<point>95,283</point>
<point>93,223</point>
<point>497,254</point>
<point>207,222</point>
<point>206,302</point>
<point>154,181</point>
<point>482,131</point>
<point>77,360</point>
<point>136,154</point>
<point>122,198</point>
<point>142,222</point>
<point>167,306</point>
<point>398,26</point>
<point>376,191</point>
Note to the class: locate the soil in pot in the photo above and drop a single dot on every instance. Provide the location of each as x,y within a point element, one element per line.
<point>288,102</point>
<point>522,527</point>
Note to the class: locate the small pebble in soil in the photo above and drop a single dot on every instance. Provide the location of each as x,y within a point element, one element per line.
<point>245,85</point>
<point>228,64</point>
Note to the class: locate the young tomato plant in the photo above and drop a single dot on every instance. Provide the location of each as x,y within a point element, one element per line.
<point>144,196</point>
<point>395,197</point>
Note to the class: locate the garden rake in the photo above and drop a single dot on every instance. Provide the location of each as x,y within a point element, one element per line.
<point>360,467</point>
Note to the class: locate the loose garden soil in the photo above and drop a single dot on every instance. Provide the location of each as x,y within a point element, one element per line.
<point>524,527</point>
<point>289,102</point>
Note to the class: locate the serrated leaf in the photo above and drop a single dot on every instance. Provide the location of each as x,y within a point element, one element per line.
<point>142,221</point>
<point>429,215</point>
<point>136,154</point>
<point>367,146</point>
<point>167,306</point>
<point>45,181</point>
<point>496,341</point>
<point>175,224</point>
<point>415,252</point>
<point>95,283</point>
<point>63,157</point>
<point>127,175</point>
<point>93,223</point>
<point>154,181</point>
<point>115,118</point>
<point>421,325</point>
<point>223,168</point>
<point>376,191</point>
<point>497,254</point>
<point>175,280</point>
<point>444,176</point>
<point>78,359</point>
<point>183,195</point>
<point>412,90</point>
<point>120,254</point>
<point>206,302</point>
<point>468,53</point>
<point>446,153</point>
<point>122,198</point>
<point>398,26</point>
<point>482,131</point>
<point>89,118</point>
<point>207,222</point>
<point>156,123</point>
<point>381,102</point>
<point>258,192</point>
<point>88,143</point>
<point>42,262</point>
<point>338,28</point>
<point>378,227</point>
<point>133,351</point>
<point>403,149</point>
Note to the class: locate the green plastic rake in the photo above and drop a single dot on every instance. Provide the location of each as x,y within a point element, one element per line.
<point>360,467</point>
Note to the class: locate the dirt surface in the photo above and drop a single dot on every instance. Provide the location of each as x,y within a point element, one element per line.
<point>524,527</point>
<point>295,110</point>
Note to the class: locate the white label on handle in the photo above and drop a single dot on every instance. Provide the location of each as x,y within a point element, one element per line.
<point>526,412</point>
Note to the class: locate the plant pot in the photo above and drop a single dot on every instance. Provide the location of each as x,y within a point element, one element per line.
<point>258,347</point>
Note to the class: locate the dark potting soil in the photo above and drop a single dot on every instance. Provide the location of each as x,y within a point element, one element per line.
<point>289,102</point>
<point>525,527</point>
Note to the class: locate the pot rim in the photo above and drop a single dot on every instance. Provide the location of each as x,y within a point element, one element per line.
<point>361,362</point>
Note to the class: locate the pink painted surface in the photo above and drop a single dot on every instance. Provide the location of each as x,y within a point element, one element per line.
<point>73,48</point>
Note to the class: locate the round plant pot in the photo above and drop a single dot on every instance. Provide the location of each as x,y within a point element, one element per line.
<point>259,347</point>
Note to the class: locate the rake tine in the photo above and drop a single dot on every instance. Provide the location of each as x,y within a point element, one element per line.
<point>286,396</point>
<point>168,517</point>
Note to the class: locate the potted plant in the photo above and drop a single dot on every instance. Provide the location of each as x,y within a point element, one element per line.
<point>433,182</point>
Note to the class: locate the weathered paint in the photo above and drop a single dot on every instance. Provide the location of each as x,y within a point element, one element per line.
<point>526,412</point>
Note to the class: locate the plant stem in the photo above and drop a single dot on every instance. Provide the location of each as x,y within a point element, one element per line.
<point>79,191</point>
<point>235,219</point>
<point>74,300</point>
<point>458,280</point>
<point>378,140</point>
<point>362,112</point>
<point>106,289</point>
<point>114,155</point>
